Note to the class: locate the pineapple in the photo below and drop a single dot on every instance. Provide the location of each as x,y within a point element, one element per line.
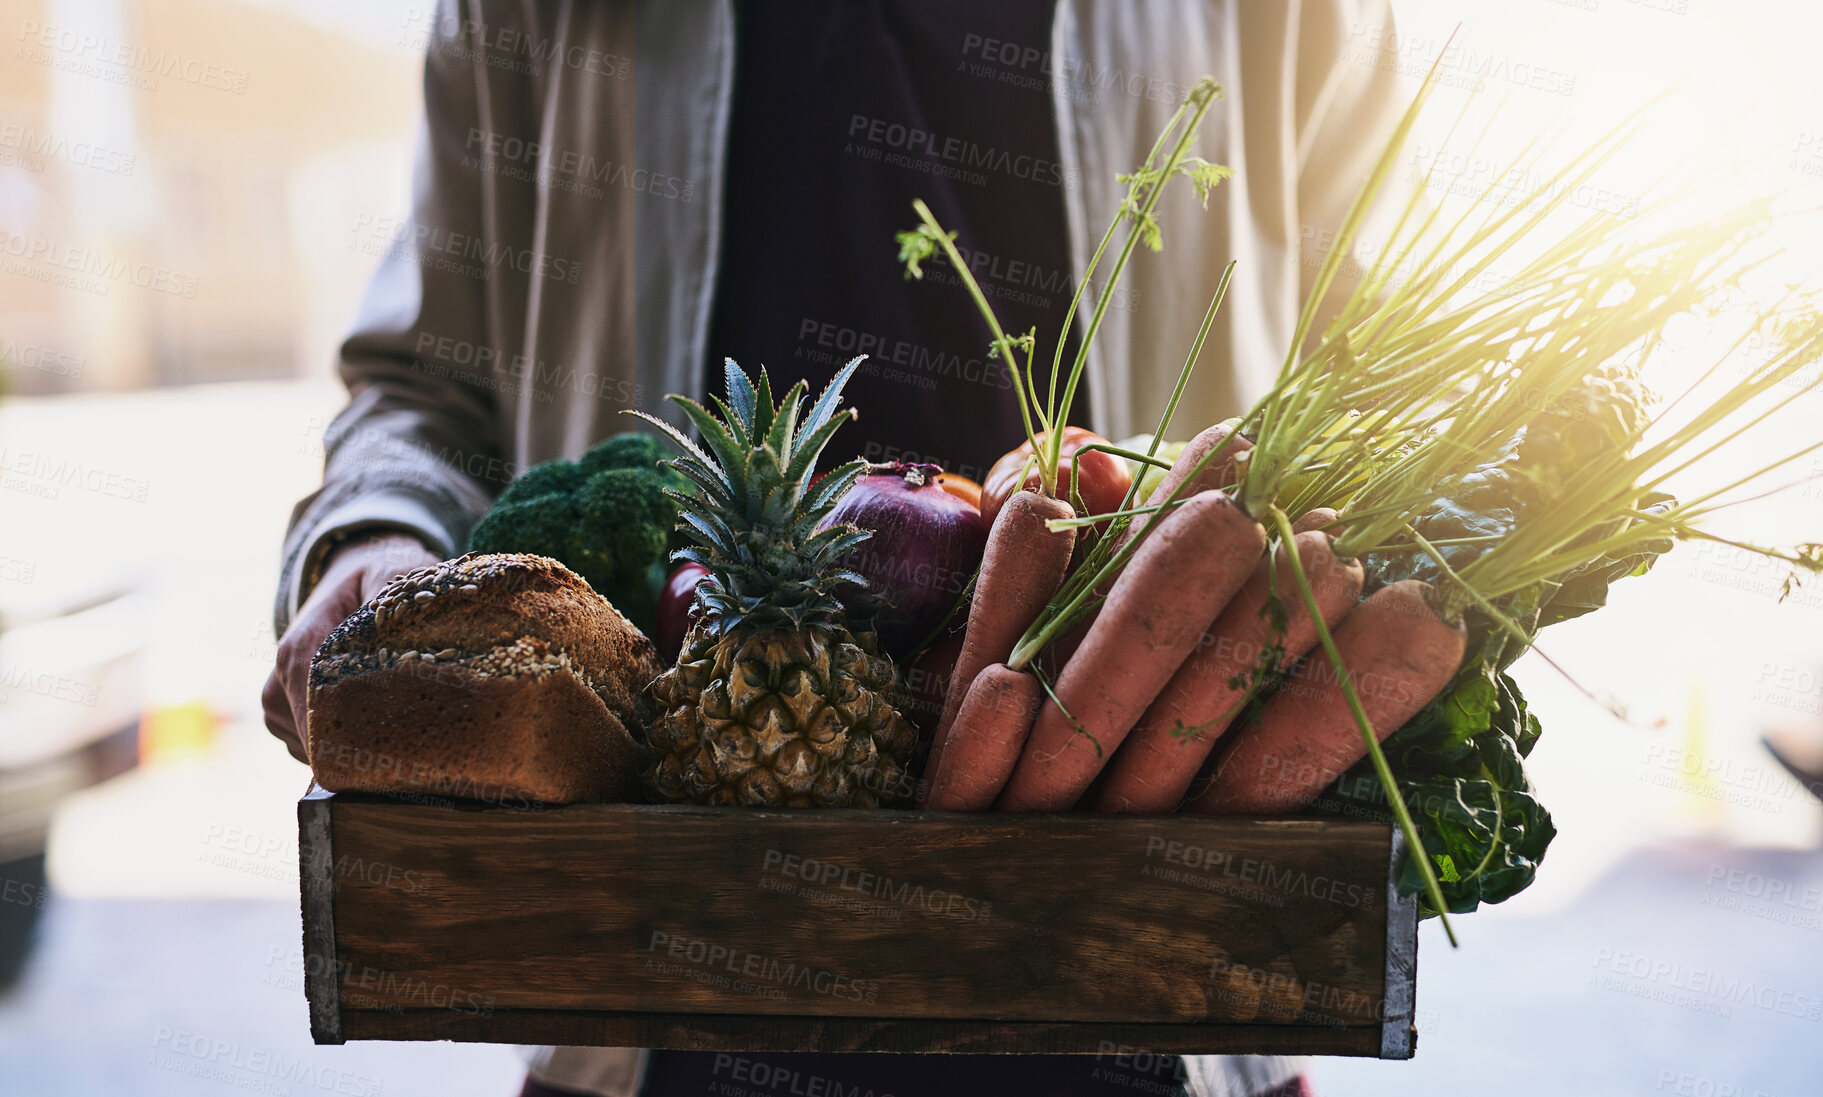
<point>777,700</point>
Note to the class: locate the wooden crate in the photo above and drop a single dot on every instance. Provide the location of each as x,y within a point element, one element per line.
<point>728,929</point>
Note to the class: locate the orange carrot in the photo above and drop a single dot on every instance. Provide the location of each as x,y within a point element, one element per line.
<point>1023,565</point>
<point>1399,656</point>
<point>1218,473</point>
<point>1157,763</point>
<point>1176,583</point>
<point>991,727</point>
<point>1316,518</point>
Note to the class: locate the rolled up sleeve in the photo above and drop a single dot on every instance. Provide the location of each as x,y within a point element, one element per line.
<point>417,447</point>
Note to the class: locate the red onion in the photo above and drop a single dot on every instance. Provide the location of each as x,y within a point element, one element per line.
<point>926,544</point>
<point>674,604</point>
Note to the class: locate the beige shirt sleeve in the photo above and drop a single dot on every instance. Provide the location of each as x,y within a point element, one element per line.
<point>417,447</point>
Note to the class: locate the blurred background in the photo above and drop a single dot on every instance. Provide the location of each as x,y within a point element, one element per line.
<point>180,252</point>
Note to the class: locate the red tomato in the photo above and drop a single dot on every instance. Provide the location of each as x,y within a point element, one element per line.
<point>674,609</point>
<point>1101,478</point>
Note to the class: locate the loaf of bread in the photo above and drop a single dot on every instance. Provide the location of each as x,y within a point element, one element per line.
<point>502,677</point>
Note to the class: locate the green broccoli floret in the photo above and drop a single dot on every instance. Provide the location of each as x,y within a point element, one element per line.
<point>550,478</point>
<point>625,451</point>
<point>605,516</point>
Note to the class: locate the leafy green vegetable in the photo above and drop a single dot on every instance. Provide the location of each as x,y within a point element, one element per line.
<point>1458,763</point>
<point>1460,774</point>
<point>605,515</point>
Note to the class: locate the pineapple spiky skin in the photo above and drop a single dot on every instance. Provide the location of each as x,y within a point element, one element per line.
<point>780,719</point>
<point>777,699</point>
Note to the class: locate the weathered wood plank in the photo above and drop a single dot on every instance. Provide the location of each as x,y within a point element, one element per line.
<point>746,1033</point>
<point>1399,1036</point>
<point>316,896</point>
<point>614,909</point>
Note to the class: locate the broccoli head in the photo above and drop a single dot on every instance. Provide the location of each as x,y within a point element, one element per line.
<point>605,515</point>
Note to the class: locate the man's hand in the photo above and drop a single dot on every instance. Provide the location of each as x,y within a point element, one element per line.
<point>354,572</point>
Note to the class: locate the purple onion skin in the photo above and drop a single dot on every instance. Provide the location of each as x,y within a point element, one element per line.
<point>925,547</point>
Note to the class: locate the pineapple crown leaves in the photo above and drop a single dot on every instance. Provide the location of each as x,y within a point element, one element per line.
<point>753,511</point>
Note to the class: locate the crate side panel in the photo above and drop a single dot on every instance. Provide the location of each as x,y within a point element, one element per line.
<point>751,1033</point>
<point>862,914</point>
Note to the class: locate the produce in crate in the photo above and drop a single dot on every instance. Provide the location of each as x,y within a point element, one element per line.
<point>779,698</point>
<point>1096,477</point>
<point>1400,649</point>
<point>502,678</point>
<point>1026,559</point>
<point>1186,570</point>
<point>927,542</point>
<point>1377,432</point>
<point>1025,562</point>
<point>674,604</point>
<point>1535,366</point>
<point>1258,633</point>
<point>989,730</point>
<point>1147,476</point>
<point>606,515</point>
<point>962,488</point>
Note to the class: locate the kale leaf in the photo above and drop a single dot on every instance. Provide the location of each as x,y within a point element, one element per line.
<point>1458,765</point>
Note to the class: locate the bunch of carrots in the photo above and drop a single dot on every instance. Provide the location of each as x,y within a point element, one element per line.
<point>1209,648</point>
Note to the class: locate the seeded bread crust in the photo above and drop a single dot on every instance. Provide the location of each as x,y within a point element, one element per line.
<point>498,677</point>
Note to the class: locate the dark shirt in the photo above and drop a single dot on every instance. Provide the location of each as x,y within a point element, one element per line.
<point>843,113</point>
